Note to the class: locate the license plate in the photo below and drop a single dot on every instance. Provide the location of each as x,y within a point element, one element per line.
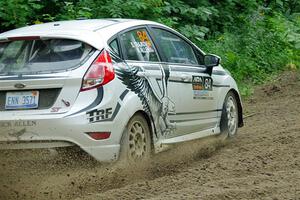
<point>22,100</point>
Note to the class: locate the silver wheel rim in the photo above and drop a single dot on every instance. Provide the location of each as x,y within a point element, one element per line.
<point>137,141</point>
<point>231,111</point>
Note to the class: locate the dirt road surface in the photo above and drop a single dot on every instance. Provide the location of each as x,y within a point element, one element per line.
<point>262,162</point>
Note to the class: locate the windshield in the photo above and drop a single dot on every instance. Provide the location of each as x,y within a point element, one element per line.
<point>42,56</point>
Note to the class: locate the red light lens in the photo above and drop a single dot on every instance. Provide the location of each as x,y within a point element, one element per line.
<point>99,135</point>
<point>100,72</point>
<point>24,38</point>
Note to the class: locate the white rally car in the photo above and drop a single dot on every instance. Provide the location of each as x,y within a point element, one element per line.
<point>114,87</point>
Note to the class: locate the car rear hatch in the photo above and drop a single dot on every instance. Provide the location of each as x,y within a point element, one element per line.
<point>41,75</point>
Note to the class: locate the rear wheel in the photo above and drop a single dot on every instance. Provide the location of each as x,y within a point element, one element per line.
<point>136,141</point>
<point>229,118</point>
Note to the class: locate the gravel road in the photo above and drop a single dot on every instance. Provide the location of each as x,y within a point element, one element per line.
<point>262,162</point>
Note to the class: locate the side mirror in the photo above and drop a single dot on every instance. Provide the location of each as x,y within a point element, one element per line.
<point>211,60</point>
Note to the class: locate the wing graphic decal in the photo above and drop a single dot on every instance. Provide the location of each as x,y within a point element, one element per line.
<point>137,81</point>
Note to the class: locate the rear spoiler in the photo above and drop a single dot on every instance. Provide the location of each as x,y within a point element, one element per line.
<point>24,38</point>
<point>89,37</point>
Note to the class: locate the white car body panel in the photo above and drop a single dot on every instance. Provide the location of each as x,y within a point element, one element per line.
<point>64,125</point>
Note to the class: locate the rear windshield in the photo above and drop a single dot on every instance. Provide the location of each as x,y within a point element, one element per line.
<point>42,56</point>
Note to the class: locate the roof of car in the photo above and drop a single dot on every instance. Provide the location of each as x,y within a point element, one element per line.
<point>91,31</point>
<point>85,24</point>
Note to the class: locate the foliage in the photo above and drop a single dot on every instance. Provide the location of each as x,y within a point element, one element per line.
<point>258,49</point>
<point>15,13</point>
<point>255,38</point>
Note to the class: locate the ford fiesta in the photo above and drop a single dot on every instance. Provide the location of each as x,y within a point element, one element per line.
<point>116,88</point>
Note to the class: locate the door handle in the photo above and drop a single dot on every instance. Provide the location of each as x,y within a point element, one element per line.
<point>145,74</point>
<point>185,78</point>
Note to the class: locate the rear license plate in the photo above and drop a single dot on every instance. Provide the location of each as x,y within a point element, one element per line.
<point>22,100</point>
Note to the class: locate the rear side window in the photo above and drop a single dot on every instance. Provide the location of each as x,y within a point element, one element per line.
<point>115,47</point>
<point>138,46</point>
<point>175,49</point>
<point>42,56</point>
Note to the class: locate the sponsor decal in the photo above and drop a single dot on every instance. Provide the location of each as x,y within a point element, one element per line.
<point>99,115</point>
<point>202,94</point>
<point>202,83</point>
<point>144,37</point>
<point>143,43</point>
<point>197,83</point>
<point>142,46</point>
<point>202,87</point>
<point>20,123</point>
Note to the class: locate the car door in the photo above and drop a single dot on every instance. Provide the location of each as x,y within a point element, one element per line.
<point>189,85</point>
<point>146,77</point>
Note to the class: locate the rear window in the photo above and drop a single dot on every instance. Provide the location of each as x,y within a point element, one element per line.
<point>42,56</point>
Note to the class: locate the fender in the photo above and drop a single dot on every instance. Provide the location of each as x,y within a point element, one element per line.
<point>231,87</point>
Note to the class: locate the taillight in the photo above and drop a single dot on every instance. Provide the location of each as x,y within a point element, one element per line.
<point>99,73</point>
<point>99,135</point>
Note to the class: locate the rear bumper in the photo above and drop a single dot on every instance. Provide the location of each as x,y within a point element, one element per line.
<point>47,131</point>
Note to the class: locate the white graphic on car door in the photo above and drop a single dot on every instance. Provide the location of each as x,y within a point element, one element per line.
<point>157,108</point>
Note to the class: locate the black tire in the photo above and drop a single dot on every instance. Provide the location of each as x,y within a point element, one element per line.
<point>229,117</point>
<point>136,141</point>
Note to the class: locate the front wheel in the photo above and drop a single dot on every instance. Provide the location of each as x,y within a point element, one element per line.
<point>229,118</point>
<point>136,141</point>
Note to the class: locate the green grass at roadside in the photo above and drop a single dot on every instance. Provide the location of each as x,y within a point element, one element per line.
<point>258,50</point>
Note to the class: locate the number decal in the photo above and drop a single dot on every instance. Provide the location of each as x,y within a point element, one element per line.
<point>202,83</point>
<point>202,87</point>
